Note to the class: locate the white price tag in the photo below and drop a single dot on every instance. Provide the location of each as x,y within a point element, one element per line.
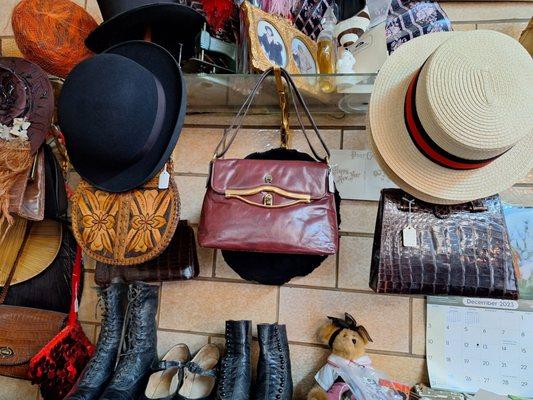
<point>164,179</point>
<point>409,237</point>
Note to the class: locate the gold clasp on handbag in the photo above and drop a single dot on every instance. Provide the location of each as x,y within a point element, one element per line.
<point>268,198</point>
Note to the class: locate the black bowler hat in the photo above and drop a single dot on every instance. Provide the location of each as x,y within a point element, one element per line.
<point>172,25</point>
<point>121,113</point>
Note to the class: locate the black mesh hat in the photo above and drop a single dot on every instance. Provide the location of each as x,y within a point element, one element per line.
<point>171,24</point>
<point>121,113</point>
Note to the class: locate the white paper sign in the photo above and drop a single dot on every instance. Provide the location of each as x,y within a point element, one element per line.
<point>357,175</point>
<point>477,343</point>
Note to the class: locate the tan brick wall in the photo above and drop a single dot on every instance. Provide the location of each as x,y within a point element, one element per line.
<point>194,312</point>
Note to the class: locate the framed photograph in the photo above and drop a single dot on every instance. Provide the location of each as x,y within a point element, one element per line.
<point>303,57</point>
<point>272,44</point>
<point>273,41</point>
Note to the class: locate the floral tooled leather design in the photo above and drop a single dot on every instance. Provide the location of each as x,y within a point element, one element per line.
<point>125,228</point>
<point>148,209</point>
<point>98,210</point>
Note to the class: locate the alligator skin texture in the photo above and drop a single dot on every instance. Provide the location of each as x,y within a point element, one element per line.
<point>461,249</point>
<point>234,224</point>
<point>179,261</point>
<point>23,333</point>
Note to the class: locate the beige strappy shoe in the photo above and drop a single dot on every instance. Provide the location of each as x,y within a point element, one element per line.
<point>200,375</point>
<point>164,384</point>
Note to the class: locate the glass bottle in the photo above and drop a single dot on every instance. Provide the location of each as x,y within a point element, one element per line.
<point>327,49</point>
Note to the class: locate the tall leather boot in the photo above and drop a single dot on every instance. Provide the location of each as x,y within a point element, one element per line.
<point>139,351</point>
<point>99,370</point>
<point>274,381</point>
<point>235,376</point>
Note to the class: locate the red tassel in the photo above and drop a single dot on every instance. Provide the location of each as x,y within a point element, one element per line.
<point>218,12</point>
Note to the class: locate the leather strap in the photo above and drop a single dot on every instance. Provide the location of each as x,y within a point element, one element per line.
<point>7,284</point>
<point>196,369</point>
<point>76,277</point>
<point>166,364</point>
<point>230,134</point>
<point>285,133</point>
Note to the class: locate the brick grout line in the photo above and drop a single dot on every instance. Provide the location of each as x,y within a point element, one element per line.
<point>159,300</point>
<point>214,264</point>
<point>211,335</point>
<point>309,287</point>
<point>411,325</point>
<point>278,303</point>
<point>337,266</point>
<point>356,234</point>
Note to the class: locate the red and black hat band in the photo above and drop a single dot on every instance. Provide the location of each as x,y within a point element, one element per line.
<point>425,144</point>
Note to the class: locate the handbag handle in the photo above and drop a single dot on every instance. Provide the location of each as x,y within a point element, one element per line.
<point>76,277</point>
<point>230,134</point>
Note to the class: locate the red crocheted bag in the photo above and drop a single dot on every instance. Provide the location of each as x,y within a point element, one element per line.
<point>57,366</point>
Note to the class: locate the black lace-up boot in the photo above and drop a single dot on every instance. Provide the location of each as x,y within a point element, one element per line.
<point>274,381</point>
<point>99,370</point>
<point>235,375</point>
<point>139,348</point>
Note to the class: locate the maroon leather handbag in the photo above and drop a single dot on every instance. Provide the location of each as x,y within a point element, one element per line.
<point>270,205</point>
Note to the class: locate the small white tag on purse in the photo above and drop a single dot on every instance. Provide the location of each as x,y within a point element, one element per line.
<point>164,179</point>
<point>409,237</point>
<point>331,182</point>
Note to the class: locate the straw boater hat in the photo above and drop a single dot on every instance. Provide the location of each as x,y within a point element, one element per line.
<point>451,115</point>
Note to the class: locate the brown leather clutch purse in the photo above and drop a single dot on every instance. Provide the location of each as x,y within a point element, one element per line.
<point>460,249</point>
<point>179,261</point>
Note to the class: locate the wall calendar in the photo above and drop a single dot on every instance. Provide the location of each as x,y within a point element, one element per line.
<point>474,343</point>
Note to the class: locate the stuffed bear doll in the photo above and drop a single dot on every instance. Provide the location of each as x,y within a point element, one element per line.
<point>349,372</point>
<point>347,342</point>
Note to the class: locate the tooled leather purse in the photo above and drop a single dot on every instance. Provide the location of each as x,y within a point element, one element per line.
<point>459,249</point>
<point>270,206</point>
<point>126,228</point>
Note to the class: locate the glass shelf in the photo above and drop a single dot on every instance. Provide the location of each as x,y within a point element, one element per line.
<point>219,93</point>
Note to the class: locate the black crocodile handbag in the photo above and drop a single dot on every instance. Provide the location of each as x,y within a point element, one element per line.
<point>459,249</point>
